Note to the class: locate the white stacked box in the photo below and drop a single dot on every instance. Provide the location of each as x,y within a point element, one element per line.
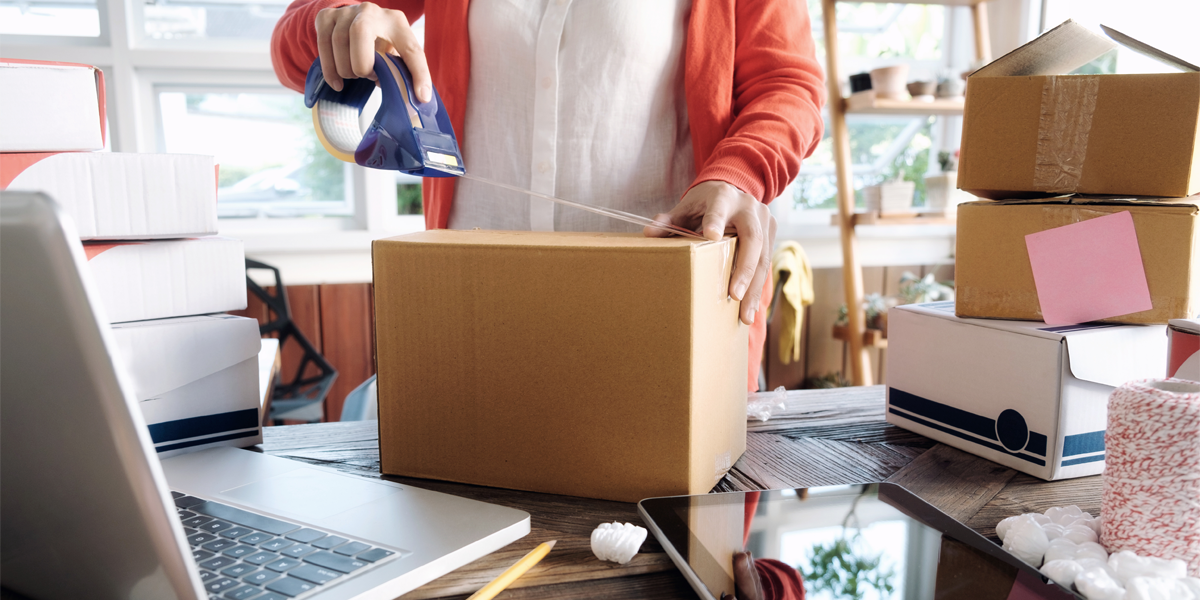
<point>160,272</point>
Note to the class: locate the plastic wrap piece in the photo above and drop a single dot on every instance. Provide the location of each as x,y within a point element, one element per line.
<point>1151,498</point>
<point>616,542</point>
<point>761,405</point>
<point>405,135</point>
<point>1063,127</point>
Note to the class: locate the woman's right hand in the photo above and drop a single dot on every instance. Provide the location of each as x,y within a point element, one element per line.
<point>348,38</point>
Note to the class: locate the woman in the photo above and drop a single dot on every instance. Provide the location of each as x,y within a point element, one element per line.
<point>699,111</point>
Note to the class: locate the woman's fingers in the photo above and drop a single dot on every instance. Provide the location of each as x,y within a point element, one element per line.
<point>348,37</point>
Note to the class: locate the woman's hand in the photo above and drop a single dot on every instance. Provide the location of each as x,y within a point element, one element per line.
<point>717,206</point>
<point>745,578</point>
<point>348,37</point>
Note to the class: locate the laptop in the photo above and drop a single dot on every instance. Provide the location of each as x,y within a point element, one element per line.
<point>89,511</point>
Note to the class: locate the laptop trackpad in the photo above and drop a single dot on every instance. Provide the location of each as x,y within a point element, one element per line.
<point>309,493</point>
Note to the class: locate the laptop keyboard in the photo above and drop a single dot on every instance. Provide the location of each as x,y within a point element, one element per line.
<point>247,556</point>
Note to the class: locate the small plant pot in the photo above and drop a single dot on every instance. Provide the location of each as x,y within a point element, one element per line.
<point>888,82</point>
<point>890,197</point>
<point>951,88</point>
<point>922,90</point>
<point>942,193</point>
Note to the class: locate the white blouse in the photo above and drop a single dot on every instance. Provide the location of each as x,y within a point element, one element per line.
<point>578,99</point>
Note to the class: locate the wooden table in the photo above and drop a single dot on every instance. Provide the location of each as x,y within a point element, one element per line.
<point>824,437</point>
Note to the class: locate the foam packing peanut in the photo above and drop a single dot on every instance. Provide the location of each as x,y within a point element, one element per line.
<point>1128,565</point>
<point>1027,541</point>
<point>1096,584</point>
<point>1062,572</point>
<point>617,542</point>
<point>1157,588</point>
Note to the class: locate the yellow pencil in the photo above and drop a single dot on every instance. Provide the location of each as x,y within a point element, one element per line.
<point>506,578</point>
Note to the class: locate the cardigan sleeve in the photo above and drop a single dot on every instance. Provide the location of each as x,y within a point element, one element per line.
<point>778,92</point>
<point>294,40</point>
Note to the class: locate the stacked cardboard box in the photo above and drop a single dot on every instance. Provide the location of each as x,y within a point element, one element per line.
<point>1067,277</point>
<point>148,225</point>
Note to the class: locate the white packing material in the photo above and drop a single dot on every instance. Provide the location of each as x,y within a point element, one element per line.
<point>1021,393</point>
<point>168,278</point>
<point>195,379</point>
<point>119,196</point>
<point>50,106</point>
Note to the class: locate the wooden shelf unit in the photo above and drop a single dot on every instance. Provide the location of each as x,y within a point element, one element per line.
<point>846,219</point>
<point>865,103</point>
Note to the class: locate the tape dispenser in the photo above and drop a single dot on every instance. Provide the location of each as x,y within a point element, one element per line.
<point>405,135</point>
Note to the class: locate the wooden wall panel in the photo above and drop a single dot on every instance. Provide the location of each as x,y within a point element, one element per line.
<point>347,340</point>
<point>305,303</point>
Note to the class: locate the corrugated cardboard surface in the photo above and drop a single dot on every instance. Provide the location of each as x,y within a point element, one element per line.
<point>993,277</point>
<point>121,196</point>
<point>1030,130</point>
<point>48,107</point>
<point>599,365</point>
<point>1143,139</point>
<point>168,278</point>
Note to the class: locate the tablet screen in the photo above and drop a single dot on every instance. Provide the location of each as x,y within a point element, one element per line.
<point>869,541</point>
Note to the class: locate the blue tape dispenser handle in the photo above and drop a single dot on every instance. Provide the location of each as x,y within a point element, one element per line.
<point>406,135</point>
<point>409,136</point>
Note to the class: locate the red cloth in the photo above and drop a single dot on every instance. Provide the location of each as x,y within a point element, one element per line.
<point>753,86</point>
<point>779,580</point>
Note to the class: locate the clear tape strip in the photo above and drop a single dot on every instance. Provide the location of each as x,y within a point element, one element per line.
<point>1063,127</point>
<point>608,212</point>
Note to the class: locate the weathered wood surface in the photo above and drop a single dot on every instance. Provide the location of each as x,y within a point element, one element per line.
<point>823,437</point>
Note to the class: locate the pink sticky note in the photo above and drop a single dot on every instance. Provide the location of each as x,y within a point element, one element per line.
<point>1089,271</point>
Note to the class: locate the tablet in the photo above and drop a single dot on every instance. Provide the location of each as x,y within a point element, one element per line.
<point>864,541</point>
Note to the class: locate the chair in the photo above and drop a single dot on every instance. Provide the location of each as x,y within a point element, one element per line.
<point>362,404</point>
<point>299,398</point>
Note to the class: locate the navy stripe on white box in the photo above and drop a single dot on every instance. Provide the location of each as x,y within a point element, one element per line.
<point>1008,434</point>
<point>194,431</point>
<point>1081,444</point>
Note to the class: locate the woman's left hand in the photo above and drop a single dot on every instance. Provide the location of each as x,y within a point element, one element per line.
<point>713,207</point>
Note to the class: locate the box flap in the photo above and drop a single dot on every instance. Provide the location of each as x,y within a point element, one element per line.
<point>1056,52</point>
<point>1114,355</point>
<point>166,354</point>
<point>1148,50</point>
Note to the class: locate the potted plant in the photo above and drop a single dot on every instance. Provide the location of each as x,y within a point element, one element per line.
<point>941,190</point>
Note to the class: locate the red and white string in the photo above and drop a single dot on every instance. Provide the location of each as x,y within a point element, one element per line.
<point>1151,501</point>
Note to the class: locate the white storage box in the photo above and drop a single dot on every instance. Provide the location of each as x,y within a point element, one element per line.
<point>118,196</point>
<point>1023,394</point>
<point>176,278</point>
<point>196,380</point>
<point>50,106</point>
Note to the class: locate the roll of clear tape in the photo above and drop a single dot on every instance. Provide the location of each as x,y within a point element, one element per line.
<point>1151,499</point>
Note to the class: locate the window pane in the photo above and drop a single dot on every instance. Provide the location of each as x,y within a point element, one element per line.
<point>881,149</point>
<point>211,19</point>
<point>1168,25</point>
<point>74,18</point>
<point>271,164</point>
<point>408,195</point>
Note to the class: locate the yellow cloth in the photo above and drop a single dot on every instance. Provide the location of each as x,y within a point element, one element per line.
<point>797,293</point>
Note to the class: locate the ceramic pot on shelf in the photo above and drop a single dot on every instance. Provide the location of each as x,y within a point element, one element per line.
<point>889,82</point>
<point>922,91</point>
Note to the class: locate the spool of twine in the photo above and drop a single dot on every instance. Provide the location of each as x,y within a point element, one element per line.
<point>1151,502</point>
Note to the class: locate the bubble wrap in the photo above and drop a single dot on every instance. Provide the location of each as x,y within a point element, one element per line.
<point>1151,500</point>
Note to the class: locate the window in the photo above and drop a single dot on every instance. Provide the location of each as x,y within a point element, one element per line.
<point>271,163</point>
<point>73,18</point>
<point>872,35</point>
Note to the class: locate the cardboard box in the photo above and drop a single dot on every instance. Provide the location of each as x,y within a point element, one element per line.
<point>1029,130</point>
<point>1183,360</point>
<point>196,380</point>
<point>599,365</point>
<point>992,273</point>
<point>50,106</point>
<point>1027,396</point>
<point>176,278</point>
<point>117,196</point>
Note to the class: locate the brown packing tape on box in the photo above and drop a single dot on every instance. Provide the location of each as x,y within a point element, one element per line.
<point>994,279</point>
<point>599,365</point>
<point>1031,131</point>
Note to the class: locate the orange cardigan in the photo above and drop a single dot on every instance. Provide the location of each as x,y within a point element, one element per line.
<point>753,86</point>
